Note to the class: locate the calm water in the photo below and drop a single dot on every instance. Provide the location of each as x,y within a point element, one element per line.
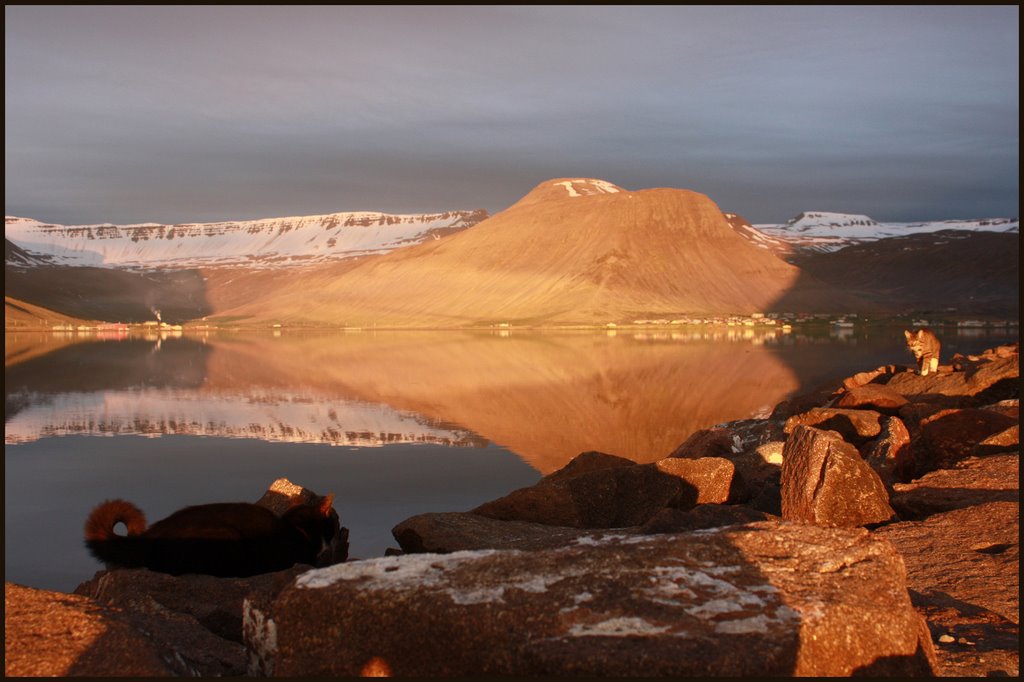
<point>395,424</point>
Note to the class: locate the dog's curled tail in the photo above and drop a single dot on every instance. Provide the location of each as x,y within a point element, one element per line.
<point>99,526</point>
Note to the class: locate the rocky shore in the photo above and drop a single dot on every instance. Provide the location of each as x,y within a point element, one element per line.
<point>870,526</point>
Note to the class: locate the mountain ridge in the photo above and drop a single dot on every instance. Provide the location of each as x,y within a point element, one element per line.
<point>255,243</point>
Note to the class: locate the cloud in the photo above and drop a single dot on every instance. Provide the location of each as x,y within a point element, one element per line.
<point>184,113</point>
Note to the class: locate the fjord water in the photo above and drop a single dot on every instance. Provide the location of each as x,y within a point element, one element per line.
<point>394,423</point>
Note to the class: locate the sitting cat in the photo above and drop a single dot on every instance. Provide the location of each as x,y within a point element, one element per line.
<point>234,539</point>
<point>925,347</point>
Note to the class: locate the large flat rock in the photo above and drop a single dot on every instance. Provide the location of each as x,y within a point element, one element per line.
<point>767,598</point>
<point>963,570</point>
<point>49,634</point>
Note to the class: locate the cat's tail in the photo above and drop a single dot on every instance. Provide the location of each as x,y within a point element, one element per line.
<point>108,546</point>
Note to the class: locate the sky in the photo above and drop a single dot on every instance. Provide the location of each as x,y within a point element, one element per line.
<point>203,113</point>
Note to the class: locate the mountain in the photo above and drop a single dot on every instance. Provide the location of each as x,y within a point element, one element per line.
<point>254,243</point>
<point>20,315</point>
<point>821,232</point>
<point>572,251</point>
<point>964,271</point>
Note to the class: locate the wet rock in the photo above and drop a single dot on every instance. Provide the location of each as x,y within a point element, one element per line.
<point>948,436</point>
<point>889,454</point>
<point>56,634</point>
<point>974,481</point>
<point>855,426</point>
<point>878,397</point>
<point>764,599</point>
<point>702,516</point>
<point>826,482</point>
<point>447,532</point>
<point>610,497</point>
<point>707,480</point>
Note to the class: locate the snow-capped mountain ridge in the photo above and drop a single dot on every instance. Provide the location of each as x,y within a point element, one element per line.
<point>270,241</point>
<point>819,231</point>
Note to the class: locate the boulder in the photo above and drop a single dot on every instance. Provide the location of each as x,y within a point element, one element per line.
<point>974,481</point>
<point>1002,441</point>
<point>715,442</point>
<point>970,554</point>
<point>878,397</point>
<point>819,397</point>
<point>855,426</point>
<point>948,436</point>
<point>586,462</point>
<point>702,516</point>
<point>754,446</point>
<point>826,482</point>
<point>964,571</point>
<point>970,641</point>
<point>889,454</point>
<point>215,603</point>
<point>55,634</point>
<point>609,497</point>
<point>763,599</point>
<point>447,532</point>
<point>707,480</point>
<point>993,378</point>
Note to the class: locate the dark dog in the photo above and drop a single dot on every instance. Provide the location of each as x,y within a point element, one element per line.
<point>225,539</point>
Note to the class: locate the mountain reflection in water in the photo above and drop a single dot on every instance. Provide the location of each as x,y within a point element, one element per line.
<point>546,397</point>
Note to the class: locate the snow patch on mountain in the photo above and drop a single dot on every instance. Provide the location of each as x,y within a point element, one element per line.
<point>579,187</point>
<point>819,231</point>
<point>260,243</point>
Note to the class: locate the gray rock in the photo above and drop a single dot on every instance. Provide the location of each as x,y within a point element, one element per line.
<point>763,599</point>
<point>447,532</point>
<point>826,482</point>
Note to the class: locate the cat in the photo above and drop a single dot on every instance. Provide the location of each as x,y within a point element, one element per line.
<point>925,347</point>
<point>229,539</point>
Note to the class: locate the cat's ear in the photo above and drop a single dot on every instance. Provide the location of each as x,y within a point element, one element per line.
<point>908,334</point>
<point>326,504</point>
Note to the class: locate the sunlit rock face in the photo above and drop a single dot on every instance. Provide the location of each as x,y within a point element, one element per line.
<point>572,250</point>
